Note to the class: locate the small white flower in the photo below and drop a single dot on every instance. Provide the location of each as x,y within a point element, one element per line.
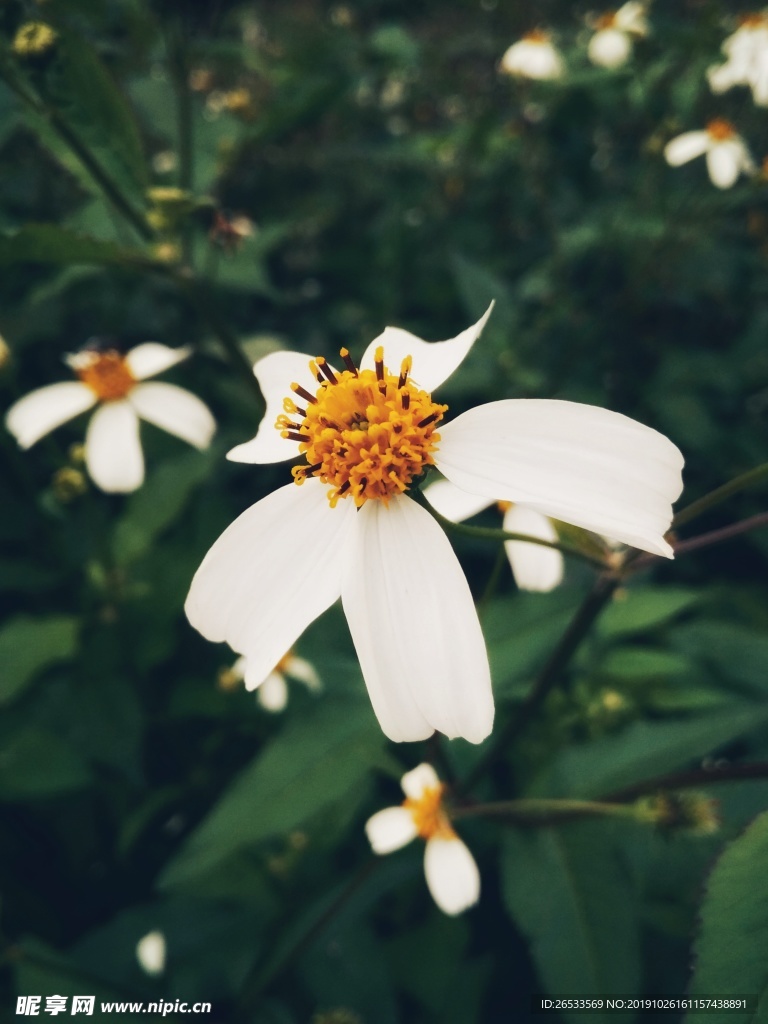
<point>533,56</point>
<point>726,152</point>
<point>451,872</point>
<point>272,691</point>
<point>747,63</point>
<point>351,530</point>
<point>150,952</point>
<point>114,383</point>
<point>533,566</point>
<point>611,45</point>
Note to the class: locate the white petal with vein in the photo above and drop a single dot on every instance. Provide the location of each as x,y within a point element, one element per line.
<point>41,411</point>
<point>433,362</point>
<point>533,566</point>
<point>113,452</point>
<point>151,358</point>
<point>453,503</point>
<point>271,573</point>
<point>275,374</point>
<point>175,410</point>
<point>577,463</point>
<point>414,626</point>
<point>452,875</point>
<point>390,829</point>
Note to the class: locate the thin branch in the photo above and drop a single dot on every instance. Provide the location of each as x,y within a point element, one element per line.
<point>704,540</point>
<point>546,812</point>
<point>690,780</point>
<point>708,501</point>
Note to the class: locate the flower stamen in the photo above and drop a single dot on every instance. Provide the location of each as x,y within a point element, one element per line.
<point>429,815</point>
<point>105,373</point>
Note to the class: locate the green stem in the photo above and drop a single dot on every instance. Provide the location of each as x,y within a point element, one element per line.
<point>601,593</point>
<point>489,533</point>
<point>739,483</point>
<point>545,812</point>
<point>691,780</point>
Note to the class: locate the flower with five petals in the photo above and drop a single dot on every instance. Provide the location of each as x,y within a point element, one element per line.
<point>115,383</point>
<point>352,531</point>
<point>449,867</point>
<point>726,152</point>
<point>272,691</point>
<point>747,63</point>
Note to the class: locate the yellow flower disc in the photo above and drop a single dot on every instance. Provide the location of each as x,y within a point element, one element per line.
<point>366,433</point>
<point>428,814</point>
<point>105,373</point>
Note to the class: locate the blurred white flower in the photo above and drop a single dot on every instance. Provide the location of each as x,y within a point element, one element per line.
<point>726,152</point>
<point>747,63</point>
<point>272,691</point>
<point>352,531</point>
<point>533,56</point>
<point>611,44</point>
<point>114,383</point>
<point>533,566</point>
<point>451,872</point>
<point>150,952</point>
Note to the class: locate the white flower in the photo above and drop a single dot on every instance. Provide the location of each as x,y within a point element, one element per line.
<point>611,45</point>
<point>533,56</point>
<point>533,566</point>
<point>351,531</point>
<point>272,691</point>
<point>450,869</point>
<point>726,152</point>
<point>150,952</point>
<point>747,63</point>
<point>114,383</point>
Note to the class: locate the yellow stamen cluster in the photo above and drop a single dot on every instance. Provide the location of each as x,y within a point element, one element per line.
<point>366,433</point>
<point>719,129</point>
<point>536,35</point>
<point>753,20</point>
<point>605,21</point>
<point>429,815</point>
<point>105,373</point>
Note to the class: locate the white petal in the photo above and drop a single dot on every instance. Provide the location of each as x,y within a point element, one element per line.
<point>631,18</point>
<point>150,952</point>
<point>417,781</point>
<point>577,463</point>
<point>176,410</point>
<point>415,627</point>
<point>533,566</point>
<point>390,829</point>
<point>273,692</point>
<point>275,374</point>
<point>609,48</point>
<point>433,361</point>
<point>41,411</point>
<point>113,450</point>
<point>271,573</point>
<point>722,77</point>
<point>453,503</point>
<point>533,59</point>
<point>151,358</point>
<point>686,146</point>
<point>238,668</point>
<point>724,163</point>
<point>304,671</point>
<point>452,875</point>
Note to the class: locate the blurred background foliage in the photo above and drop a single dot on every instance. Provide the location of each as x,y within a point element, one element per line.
<point>341,167</point>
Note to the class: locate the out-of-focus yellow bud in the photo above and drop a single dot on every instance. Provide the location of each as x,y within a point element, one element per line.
<point>69,483</point>
<point>33,39</point>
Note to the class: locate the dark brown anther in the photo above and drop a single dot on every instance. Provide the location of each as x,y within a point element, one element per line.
<point>379,369</point>
<point>348,361</point>
<point>344,487</point>
<point>309,470</point>
<point>427,421</point>
<point>402,379</point>
<point>406,400</point>
<point>326,370</point>
<point>299,390</point>
<point>297,437</point>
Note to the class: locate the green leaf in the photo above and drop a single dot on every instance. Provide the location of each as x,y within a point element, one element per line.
<point>634,611</point>
<point>48,243</point>
<point>733,937</point>
<point>643,663</point>
<point>316,761</point>
<point>645,750</point>
<point>156,505</point>
<point>36,764</point>
<point>736,653</point>
<point>28,645</point>
<point>87,96</point>
<point>571,896</point>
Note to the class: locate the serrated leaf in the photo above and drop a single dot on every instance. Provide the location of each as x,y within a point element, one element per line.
<point>644,750</point>
<point>730,948</point>
<point>316,761</point>
<point>570,895</point>
<point>633,611</point>
<point>48,243</point>
<point>28,645</point>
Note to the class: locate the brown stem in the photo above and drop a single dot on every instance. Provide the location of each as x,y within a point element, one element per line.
<point>690,780</point>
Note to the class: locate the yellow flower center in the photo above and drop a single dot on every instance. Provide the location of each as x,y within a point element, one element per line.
<point>105,373</point>
<point>536,35</point>
<point>753,20</point>
<point>428,814</point>
<point>282,665</point>
<point>719,129</point>
<point>366,433</point>
<point>607,20</point>
<point>503,506</point>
